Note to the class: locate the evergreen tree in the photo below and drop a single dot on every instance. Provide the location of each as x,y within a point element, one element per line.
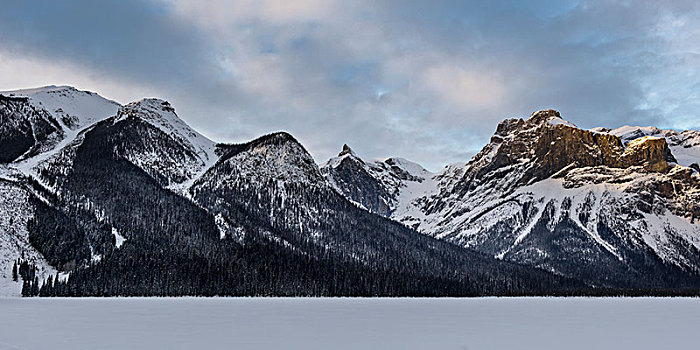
<point>26,288</point>
<point>35,286</point>
<point>14,272</point>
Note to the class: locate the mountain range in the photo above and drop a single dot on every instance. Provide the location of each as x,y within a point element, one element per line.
<point>103,199</point>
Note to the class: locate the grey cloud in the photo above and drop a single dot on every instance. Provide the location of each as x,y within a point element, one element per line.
<point>424,80</point>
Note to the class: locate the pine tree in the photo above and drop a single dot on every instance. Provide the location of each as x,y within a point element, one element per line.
<point>14,272</point>
<point>26,288</point>
<point>35,287</point>
<point>56,285</point>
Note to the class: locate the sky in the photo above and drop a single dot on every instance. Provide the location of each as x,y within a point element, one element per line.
<point>424,80</point>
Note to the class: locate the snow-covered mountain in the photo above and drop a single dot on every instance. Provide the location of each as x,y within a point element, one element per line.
<point>73,108</point>
<point>169,149</point>
<point>129,200</point>
<point>133,197</point>
<point>378,186</point>
<point>35,125</point>
<point>613,207</point>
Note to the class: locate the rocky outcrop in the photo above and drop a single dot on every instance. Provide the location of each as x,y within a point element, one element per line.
<point>25,130</point>
<point>546,145</point>
<point>650,152</point>
<point>349,175</point>
<point>374,185</point>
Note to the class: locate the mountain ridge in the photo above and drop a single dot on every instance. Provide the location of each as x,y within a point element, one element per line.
<point>542,181</point>
<point>128,205</point>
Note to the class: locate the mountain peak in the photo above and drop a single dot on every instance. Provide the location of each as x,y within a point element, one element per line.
<point>545,113</point>
<point>545,145</point>
<point>72,107</point>
<point>147,104</point>
<point>346,150</point>
<point>276,156</point>
<point>161,114</point>
<point>154,111</point>
<point>550,116</point>
<point>42,89</point>
<point>278,137</point>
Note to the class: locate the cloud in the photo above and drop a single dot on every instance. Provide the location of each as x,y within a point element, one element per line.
<point>466,88</point>
<point>424,80</point>
<point>29,72</point>
<point>222,13</point>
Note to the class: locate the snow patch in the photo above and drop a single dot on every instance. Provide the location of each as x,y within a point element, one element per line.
<point>118,238</point>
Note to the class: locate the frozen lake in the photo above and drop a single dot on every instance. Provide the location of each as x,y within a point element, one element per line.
<point>259,323</point>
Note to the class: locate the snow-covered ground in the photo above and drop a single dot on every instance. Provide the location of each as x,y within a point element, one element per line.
<point>258,323</point>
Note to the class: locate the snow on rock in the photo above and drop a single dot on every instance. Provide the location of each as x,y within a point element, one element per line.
<point>560,121</point>
<point>278,156</point>
<point>72,107</point>
<point>15,211</point>
<point>378,185</point>
<point>611,192</point>
<point>162,115</point>
<point>188,155</point>
<point>684,145</point>
<point>118,238</point>
<point>74,110</point>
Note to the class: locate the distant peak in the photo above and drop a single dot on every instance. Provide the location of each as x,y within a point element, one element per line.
<point>346,150</point>
<point>275,138</point>
<point>280,136</point>
<point>146,109</point>
<point>545,114</point>
<point>44,90</point>
<point>150,102</point>
<point>550,116</point>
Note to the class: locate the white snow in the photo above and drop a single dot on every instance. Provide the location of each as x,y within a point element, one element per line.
<point>83,107</point>
<point>118,238</point>
<point>160,114</point>
<point>15,211</point>
<point>347,323</point>
<point>181,173</point>
<point>560,121</point>
<point>407,210</point>
<point>524,232</point>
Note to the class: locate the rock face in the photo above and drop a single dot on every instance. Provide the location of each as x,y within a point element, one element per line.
<point>24,129</point>
<point>352,177</point>
<point>549,144</point>
<point>615,207</point>
<point>684,146</point>
<point>376,185</point>
<point>160,142</point>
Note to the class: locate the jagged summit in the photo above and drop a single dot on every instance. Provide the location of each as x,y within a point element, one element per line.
<point>543,115</point>
<point>545,144</point>
<point>378,184</point>
<point>550,116</point>
<point>346,150</point>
